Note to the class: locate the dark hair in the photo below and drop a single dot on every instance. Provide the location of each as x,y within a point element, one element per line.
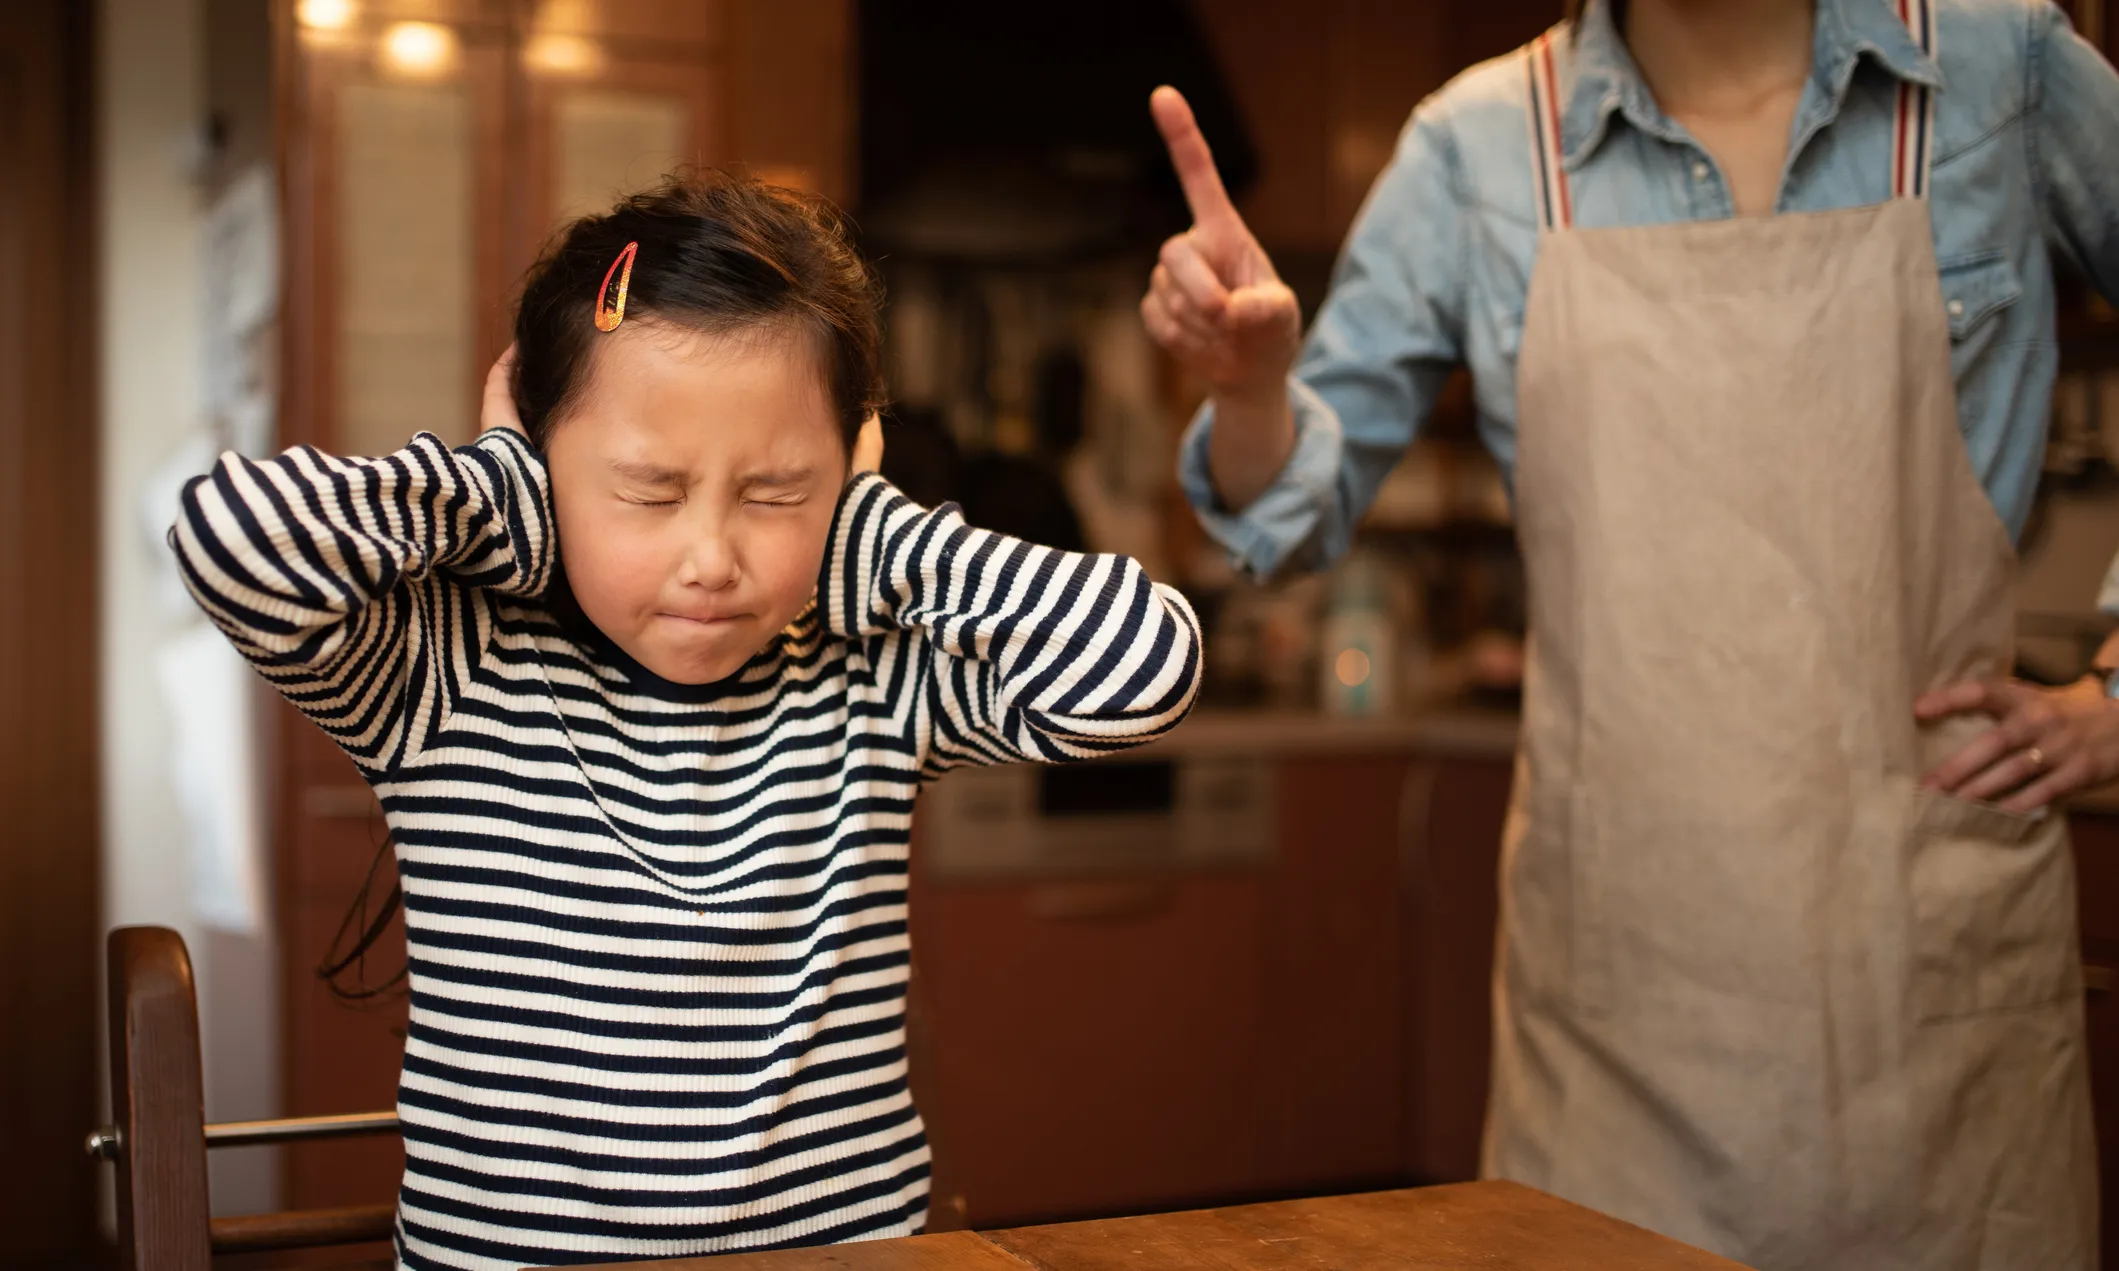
<point>720,254</point>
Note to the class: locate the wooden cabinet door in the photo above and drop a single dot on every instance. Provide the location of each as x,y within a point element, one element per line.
<point>1331,1100</point>
<point>2102,1018</point>
<point>1095,1042</point>
<point>1455,812</point>
<point>2097,880</point>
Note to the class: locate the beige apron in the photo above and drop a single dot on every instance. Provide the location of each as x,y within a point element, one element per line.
<point>1757,990</point>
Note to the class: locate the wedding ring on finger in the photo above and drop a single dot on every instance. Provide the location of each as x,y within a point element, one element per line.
<point>2035,757</point>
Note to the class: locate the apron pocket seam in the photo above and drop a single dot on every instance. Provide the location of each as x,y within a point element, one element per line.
<point>1990,897</point>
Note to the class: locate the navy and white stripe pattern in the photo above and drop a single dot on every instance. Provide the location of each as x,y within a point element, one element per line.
<point>658,931</point>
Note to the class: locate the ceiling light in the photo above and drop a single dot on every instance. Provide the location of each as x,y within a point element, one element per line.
<point>422,49</point>
<point>324,15</point>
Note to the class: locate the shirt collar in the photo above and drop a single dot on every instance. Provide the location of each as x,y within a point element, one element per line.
<point>1607,81</point>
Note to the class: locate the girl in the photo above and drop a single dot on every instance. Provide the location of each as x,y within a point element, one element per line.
<point>646,689</point>
<point>1758,301</point>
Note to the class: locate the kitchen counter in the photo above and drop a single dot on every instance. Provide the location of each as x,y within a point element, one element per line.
<point>1451,732</point>
<point>1467,733</point>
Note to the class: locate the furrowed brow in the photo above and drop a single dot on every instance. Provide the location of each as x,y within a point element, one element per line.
<point>778,477</point>
<point>647,473</point>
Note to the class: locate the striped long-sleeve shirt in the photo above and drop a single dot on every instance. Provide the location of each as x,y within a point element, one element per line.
<point>657,931</point>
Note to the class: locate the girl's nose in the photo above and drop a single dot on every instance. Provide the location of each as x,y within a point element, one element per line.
<point>709,562</point>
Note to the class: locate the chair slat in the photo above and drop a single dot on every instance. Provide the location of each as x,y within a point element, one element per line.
<point>304,1228</point>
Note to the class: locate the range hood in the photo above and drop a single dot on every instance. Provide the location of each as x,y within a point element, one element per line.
<point>1021,132</point>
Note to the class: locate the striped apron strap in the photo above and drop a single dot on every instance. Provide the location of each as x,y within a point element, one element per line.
<point>1548,174</point>
<point>1914,128</point>
<point>1912,153</point>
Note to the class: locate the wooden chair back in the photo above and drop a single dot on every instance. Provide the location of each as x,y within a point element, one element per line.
<point>159,1136</point>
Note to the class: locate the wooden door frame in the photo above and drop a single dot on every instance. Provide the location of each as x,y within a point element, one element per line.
<point>49,500</point>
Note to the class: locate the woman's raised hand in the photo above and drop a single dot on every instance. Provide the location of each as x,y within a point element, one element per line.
<point>1214,300</point>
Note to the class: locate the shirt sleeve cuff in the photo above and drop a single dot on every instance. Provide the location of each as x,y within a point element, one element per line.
<point>520,495</point>
<point>1288,524</point>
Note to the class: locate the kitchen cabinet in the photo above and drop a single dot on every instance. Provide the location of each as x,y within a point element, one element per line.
<point>1127,1041</point>
<point>1095,1042</point>
<point>1457,807</point>
<point>1317,1022</point>
<point>2102,1016</point>
<point>2096,834</point>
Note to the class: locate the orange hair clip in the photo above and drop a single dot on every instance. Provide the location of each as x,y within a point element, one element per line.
<point>608,314</point>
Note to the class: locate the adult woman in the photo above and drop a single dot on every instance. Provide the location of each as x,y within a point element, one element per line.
<point>1758,302</point>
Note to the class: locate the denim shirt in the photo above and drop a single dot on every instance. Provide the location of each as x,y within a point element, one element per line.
<point>1438,263</point>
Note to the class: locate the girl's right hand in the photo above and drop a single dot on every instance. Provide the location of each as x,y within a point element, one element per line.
<point>1215,301</point>
<point>498,408</point>
<point>867,453</point>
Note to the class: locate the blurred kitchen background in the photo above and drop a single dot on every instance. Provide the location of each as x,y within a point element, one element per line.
<point>1251,962</point>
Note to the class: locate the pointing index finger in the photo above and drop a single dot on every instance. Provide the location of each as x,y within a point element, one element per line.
<point>1204,193</point>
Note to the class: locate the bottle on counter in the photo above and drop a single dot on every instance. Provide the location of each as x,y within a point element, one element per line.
<point>1357,651</point>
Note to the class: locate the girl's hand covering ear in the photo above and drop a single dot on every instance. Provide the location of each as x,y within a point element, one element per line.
<point>498,408</point>
<point>867,448</point>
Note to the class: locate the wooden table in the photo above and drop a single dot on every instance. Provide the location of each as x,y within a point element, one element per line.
<point>1491,1226</point>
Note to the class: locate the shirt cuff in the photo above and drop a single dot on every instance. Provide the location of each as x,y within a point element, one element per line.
<point>517,488</point>
<point>1284,526</point>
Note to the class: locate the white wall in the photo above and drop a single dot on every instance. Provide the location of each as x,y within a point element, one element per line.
<point>150,102</point>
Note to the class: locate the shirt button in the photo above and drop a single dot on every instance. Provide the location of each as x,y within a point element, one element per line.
<point>1699,171</point>
<point>1956,308</point>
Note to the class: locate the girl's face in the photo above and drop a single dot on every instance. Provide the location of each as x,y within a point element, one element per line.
<point>694,484</point>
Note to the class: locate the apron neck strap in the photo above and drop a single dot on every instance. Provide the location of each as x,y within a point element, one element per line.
<point>1912,131</point>
<point>1548,173</point>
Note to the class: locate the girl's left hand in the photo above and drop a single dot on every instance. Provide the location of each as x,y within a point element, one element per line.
<point>498,408</point>
<point>2046,743</point>
<point>868,447</point>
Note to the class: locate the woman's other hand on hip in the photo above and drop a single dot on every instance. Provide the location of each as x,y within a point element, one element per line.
<point>2045,743</point>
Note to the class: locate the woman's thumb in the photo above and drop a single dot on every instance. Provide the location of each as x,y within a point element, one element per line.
<point>1265,304</point>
